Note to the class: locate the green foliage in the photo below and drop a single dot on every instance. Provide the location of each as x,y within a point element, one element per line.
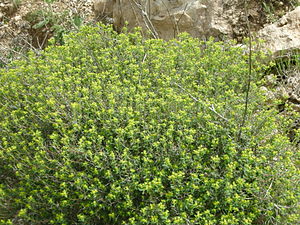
<point>274,9</point>
<point>46,21</point>
<point>114,129</point>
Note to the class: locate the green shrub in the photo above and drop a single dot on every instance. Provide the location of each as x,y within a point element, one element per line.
<point>114,129</point>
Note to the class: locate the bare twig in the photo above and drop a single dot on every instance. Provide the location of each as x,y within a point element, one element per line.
<point>147,20</point>
<point>177,22</point>
<point>173,21</point>
<point>136,17</point>
<point>42,45</point>
<point>145,56</point>
<point>16,52</point>
<point>11,33</point>
<point>249,72</point>
<point>269,188</point>
<point>211,107</point>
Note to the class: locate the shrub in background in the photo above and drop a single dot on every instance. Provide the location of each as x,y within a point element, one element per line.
<point>114,129</point>
<point>47,23</point>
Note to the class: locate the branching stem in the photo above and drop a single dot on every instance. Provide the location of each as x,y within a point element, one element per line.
<point>249,72</point>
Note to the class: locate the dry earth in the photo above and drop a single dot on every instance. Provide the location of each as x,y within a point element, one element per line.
<point>28,24</point>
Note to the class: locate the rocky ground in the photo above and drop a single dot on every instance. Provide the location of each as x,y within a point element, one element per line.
<point>28,24</point>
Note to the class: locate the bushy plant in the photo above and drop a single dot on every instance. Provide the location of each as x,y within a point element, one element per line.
<point>115,129</point>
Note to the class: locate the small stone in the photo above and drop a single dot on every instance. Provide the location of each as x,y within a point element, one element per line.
<point>294,98</point>
<point>271,80</point>
<point>282,37</point>
<point>4,26</point>
<point>282,93</point>
<point>296,107</point>
<point>17,18</point>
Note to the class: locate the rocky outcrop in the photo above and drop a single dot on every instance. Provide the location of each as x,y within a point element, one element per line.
<point>218,18</point>
<point>104,8</point>
<point>283,37</point>
<point>166,18</point>
<point>283,40</point>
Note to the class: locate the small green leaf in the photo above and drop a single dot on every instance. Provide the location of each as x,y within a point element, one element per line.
<point>41,24</point>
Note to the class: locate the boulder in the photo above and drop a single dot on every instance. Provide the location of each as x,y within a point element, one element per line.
<point>104,8</point>
<point>282,38</point>
<point>219,18</point>
<point>166,18</point>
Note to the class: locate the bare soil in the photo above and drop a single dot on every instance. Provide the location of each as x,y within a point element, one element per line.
<point>28,24</point>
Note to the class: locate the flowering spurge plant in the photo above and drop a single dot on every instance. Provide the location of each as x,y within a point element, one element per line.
<point>116,129</point>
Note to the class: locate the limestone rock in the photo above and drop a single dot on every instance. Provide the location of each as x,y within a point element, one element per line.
<point>283,37</point>
<point>166,18</point>
<point>104,8</point>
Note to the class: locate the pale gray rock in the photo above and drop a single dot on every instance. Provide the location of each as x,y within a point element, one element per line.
<point>167,18</point>
<point>283,37</point>
<point>104,8</point>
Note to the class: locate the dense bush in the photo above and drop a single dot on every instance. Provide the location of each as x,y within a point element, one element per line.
<point>115,129</point>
